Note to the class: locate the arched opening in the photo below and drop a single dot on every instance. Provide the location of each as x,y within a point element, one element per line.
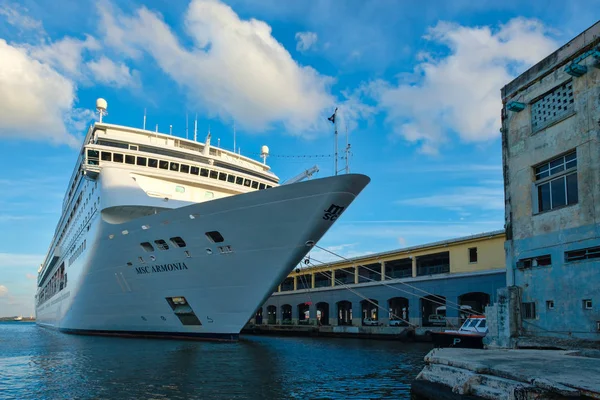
<point>286,314</point>
<point>398,307</point>
<point>304,313</point>
<point>258,317</point>
<point>472,302</point>
<point>433,309</point>
<point>369,312</point>
<point>271,315</point>
<point>344,308</point>
<point>323,313</point>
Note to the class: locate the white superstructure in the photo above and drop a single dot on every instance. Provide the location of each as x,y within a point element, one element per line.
<point>163,236</point>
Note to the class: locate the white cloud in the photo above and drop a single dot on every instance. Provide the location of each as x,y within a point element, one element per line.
<point>65,55</point>
<point>305,40</point>
<point>3,291</point>
<point>110,73</point>
<point>12,260</point>
<point>234,68</point>
<point>459,93</point>
<point>16,17</point>
<point>36,101</point>
<point>484,197</point>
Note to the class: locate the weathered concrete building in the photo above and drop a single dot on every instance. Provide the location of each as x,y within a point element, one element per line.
<point>426,285</point>
<point>551,160</point>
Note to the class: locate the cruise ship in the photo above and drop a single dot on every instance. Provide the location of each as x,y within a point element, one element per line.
<point>166,237</point>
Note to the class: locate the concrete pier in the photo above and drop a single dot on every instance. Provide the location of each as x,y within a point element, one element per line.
<point>510,374</point>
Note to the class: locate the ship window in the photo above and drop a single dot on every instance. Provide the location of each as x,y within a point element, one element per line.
<point>247,182</point>
<point>222,176</point>
<point>106,156</point>
<point>239,180</point>
<point>230,178</point>
<point>261,186</point>
<point>152,162</point>
<point>174,166</point>
<point>163,164</point>
<point>118,157</point>
<point>185,169</point>
<point>214,237</point>
<point>141,161</point>
<point>177,241</point>
<point>130,159</point>
<point>133,147</point>
<point>194,170</point>
<point>209,195</point>
<point>162,245</point>
<point>179,189</point>
<point>269,186</point>
<point>214,174</point>
<point>254,185</point>
<point>203,172</point>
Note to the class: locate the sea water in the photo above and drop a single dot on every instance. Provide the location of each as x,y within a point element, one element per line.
<point>39,363</point>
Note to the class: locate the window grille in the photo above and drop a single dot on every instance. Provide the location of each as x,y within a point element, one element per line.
<point>582,254</point>
<point>528,310</point>
<point>553,106</point>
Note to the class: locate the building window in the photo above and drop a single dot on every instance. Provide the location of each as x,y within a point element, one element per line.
<point>473,255</point>
<point>556,183</point>
<point>129,159</point>
<point>194,170</point>
<point>141,161</point>
<point>163,164</point>
<point>539,261</point>
<point>152,162</point>
<point>432,264</point>
<point>550,304</point>
<point>106,156</point>
<point>185,169</point>
<point>552,107</point>
<point>587,304</point>
<point>528,310</point>
<point>582,254</point>
<point>118,157</point>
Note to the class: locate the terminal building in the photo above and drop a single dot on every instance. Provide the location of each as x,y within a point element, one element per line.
<point>551,157</point>
<point>429,285</point>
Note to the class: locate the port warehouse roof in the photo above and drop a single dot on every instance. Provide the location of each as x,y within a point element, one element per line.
<point>377,257</point>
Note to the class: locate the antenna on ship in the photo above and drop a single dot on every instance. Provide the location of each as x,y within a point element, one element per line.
<point>101,106</point>
<point>196,129</point>
<point>333,119</point>
<point>264,153</point>
<point>219,142</point>
<point>205,150</point>
<point>171,130</point>
<point>347,149</point>
<point>144,127</point>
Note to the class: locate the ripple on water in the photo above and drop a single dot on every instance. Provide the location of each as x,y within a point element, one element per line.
<point>37,363</point>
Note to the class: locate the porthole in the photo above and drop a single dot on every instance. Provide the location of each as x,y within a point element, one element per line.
<point>214,236</point>
<point>177,241</point>
<point>147,246</point>
<point>162,245</point>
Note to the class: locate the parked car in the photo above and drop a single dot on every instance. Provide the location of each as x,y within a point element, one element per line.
<point>436,319</point>
<point>370,322</point>
<point>396,322</point>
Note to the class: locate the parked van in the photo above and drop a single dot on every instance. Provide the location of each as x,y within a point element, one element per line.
<point>437,319</point>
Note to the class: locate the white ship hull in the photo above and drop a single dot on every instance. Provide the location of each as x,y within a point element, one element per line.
<point>266,230</point>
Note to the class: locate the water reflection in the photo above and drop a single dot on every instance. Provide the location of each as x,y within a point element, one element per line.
<point>44,364</point>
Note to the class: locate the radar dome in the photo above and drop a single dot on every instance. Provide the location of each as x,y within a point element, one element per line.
<point>101,104</point>
<point>264,150</point>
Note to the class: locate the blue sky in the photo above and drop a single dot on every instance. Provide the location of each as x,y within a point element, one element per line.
<point>417,85</point>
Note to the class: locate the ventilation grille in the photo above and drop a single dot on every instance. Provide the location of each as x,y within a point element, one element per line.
<point>552,107</point>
